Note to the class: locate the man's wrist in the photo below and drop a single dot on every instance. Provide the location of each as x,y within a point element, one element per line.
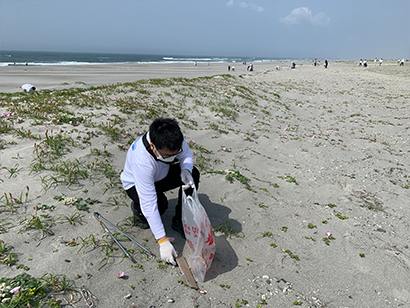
<point>162,239</point>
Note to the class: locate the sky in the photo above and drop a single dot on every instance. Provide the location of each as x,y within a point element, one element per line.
<point>333,29</point>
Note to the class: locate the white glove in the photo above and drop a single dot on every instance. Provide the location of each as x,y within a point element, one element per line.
<point>187,179</point>
<point>167,252</point>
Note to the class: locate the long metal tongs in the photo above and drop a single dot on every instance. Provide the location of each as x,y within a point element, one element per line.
<point>101,219</point>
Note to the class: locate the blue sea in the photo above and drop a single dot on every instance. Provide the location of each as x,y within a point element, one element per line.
<point>9,58</point>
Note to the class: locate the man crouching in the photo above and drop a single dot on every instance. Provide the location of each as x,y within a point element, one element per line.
<point>159,161</point>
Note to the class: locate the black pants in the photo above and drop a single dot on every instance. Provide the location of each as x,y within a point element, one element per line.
<point>171,181</point>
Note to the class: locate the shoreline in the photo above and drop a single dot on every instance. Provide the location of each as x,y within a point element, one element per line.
<point>73,76</point>
<point>55,77</point>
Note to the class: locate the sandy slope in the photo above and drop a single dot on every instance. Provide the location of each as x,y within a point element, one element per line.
<point>325,147</point>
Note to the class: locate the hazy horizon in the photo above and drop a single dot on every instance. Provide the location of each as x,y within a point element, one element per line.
<point>291,29</point>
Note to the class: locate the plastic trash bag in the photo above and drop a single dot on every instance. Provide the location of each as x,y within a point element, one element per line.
<point>198,233</point>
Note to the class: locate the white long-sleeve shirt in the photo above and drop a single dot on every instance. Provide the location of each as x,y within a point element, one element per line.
<point>142,170</point>
<point>27,87</point>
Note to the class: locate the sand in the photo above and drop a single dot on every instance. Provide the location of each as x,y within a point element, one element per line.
<point>311,151</point>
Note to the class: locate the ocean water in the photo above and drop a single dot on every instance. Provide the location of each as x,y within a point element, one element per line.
<point>10,58</point>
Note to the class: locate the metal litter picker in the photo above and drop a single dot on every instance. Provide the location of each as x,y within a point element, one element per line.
<point>102,220</point>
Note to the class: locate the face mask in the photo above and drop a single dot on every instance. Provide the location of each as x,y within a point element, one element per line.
<point>168,159</point>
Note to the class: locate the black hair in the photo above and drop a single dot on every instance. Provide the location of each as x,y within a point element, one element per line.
<point>165,133</point>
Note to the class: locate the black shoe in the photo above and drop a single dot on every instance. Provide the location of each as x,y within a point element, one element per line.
<point>177,226</point>
<point>139,220</point>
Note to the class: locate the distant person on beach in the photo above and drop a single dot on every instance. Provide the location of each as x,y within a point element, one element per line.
<point>326,63</point>
<point>293,65</point>
<point>380,62</point>
<point>402,62</point>
<point>28,87</point>
<point>229,68</point>
<point>157,162</point>
<point>365,63</point>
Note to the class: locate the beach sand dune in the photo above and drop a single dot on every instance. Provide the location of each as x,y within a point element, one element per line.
<point>286,156</point>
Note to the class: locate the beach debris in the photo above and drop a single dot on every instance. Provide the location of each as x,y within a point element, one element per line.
<point>128,296</point>
<point>76,201</point>
<point>68,200</point>
<point>171,300</point>
<point>266,292</point>
<point>267,279</point>
<point>186,272</point>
